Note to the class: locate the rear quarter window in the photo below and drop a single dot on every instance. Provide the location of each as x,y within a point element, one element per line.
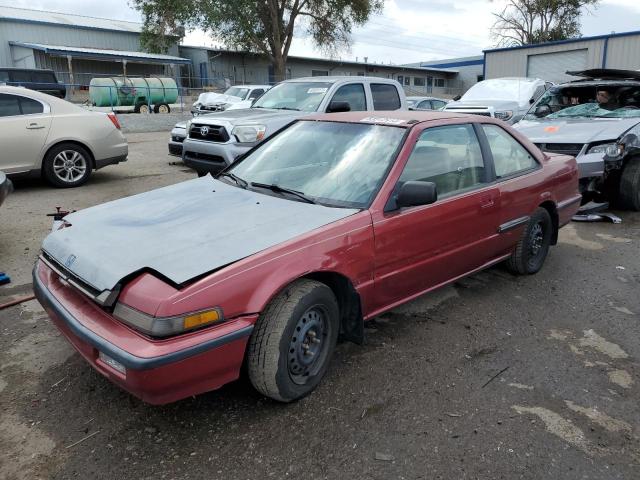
<point>385,96</point>
<point>18,76</point>
<point>30,107</point>
<point>43,77</point>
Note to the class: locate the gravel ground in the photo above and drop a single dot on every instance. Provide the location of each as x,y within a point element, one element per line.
<point>494,377</point>
<point>151,122</point>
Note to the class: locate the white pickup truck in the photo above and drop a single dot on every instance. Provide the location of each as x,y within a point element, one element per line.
<point>214,141</point>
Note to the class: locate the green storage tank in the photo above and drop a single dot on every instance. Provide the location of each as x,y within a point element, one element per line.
<point>134,92</point>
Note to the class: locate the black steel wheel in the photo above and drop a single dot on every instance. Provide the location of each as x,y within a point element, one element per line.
<point>291,346</point>
<point>533,246</point>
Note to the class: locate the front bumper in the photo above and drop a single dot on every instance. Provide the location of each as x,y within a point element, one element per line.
<point>157,371</point>
<point>210,157</point>
<point>175,141</point>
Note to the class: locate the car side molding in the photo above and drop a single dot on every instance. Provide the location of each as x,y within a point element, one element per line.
<point>511,224</point>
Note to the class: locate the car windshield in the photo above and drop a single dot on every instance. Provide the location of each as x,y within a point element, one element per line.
<point>303,96</point>
<point>335,164</point>
<point>588,101</point>
<point>237,92</point>
<point>501,89</point>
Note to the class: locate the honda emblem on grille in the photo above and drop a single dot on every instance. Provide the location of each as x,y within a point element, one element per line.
<point>69,261</point>
<point>204,131</point>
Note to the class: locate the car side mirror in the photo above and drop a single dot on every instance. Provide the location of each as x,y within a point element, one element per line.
<point>457,97</point>
<point>415,192</point>
<point>542,111</point>
<point>532,101</point>
<point>338,106</point>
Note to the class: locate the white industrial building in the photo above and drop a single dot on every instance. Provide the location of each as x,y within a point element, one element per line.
<point>551,60</point>
<point>468,70</point>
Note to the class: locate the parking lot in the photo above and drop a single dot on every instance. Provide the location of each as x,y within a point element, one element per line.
<point>493,377</point>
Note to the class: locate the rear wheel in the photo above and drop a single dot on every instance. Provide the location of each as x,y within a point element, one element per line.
<point>162,108</point>
<point>293,340</point>
<point>629,193</point>
<point>67,165</point>
<point>533,246</point>
<point>141,108</point>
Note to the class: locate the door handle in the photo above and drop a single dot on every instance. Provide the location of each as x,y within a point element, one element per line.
<point>34,126</point>
<point>487,202</point>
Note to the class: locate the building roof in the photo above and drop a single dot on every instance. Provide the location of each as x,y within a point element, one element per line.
<point>561,42</point>
<point>102,54</point>
<point>332,60</point>
<point>66,19</point>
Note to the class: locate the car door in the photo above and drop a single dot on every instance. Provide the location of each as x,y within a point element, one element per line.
<point>24,126</point>
<point>515,169</point>
<point>419,248</point>
<point>354,94</point>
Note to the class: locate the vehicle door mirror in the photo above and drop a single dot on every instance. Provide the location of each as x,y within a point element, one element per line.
<point>457,97</point>
<point>532,101</point>
<point>338,106</point>
<point>542,111</point>
<point>415,192</point>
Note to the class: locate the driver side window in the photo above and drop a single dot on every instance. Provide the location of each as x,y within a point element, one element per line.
<point>448,156</point>
<point>353,94</point>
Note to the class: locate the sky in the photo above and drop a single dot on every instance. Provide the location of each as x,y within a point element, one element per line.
<point>405,31</point>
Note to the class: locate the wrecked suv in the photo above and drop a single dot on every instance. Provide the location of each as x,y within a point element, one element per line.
<point>597,120</point>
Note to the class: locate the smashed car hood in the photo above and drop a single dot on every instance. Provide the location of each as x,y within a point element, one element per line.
<point>181,231</point>
<point>211,98</point>
<point>575,130</point>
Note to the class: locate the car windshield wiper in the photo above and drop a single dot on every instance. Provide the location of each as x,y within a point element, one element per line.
<point>279,189</point>
<point>239,181</point>
<point>288,108</point>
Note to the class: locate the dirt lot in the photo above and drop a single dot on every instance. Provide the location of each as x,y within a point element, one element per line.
<point>495,377</point>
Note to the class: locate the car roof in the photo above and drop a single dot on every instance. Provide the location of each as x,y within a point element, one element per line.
<point>400,118</point>
<point>340,78</point>
<point>251,86</point>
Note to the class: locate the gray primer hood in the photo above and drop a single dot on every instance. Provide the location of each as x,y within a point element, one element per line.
<point>181,231</point>
<point>576,130</point>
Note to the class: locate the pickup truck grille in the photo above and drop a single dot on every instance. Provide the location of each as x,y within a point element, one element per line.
<point>563,148</point>
<point>211,133</point>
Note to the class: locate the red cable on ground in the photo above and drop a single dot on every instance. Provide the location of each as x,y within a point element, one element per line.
<point>17,301</point>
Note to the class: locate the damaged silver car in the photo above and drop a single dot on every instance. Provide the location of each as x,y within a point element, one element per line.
<point>597,120</point>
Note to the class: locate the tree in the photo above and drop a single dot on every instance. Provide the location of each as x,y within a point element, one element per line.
<point>265,27</point>
<point>523,22</point>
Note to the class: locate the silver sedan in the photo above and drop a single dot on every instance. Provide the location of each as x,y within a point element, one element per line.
<point>45,136</point>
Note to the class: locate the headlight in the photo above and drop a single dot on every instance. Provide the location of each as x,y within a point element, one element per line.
<point>165,326</point>
<point>187,126</point>
<point>628,141</point>
<point>249,133</point>
<point>503,114</point>
<point>610,149</point>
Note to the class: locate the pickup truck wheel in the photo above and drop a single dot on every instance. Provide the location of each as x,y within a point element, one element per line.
<point>67,165</point>
<point>293,340</point>
<point>532,248</point>
<point>629,193</point>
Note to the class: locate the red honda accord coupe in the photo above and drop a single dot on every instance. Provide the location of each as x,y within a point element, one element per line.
<point>327,224</point>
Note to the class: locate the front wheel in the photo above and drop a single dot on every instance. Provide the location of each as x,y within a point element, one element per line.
<point>533,246</point>
<point>629,194</point>
<point>293,340</point>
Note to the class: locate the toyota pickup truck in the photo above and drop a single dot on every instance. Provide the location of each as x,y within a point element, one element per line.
<point>215,141</point>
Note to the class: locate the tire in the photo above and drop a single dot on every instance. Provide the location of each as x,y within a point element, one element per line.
<point>162,108</point>
<point>303,318</point>
<point>629,193</point>
<point>67,165</point>
<point>533,246</point>
<point>141,108</point>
